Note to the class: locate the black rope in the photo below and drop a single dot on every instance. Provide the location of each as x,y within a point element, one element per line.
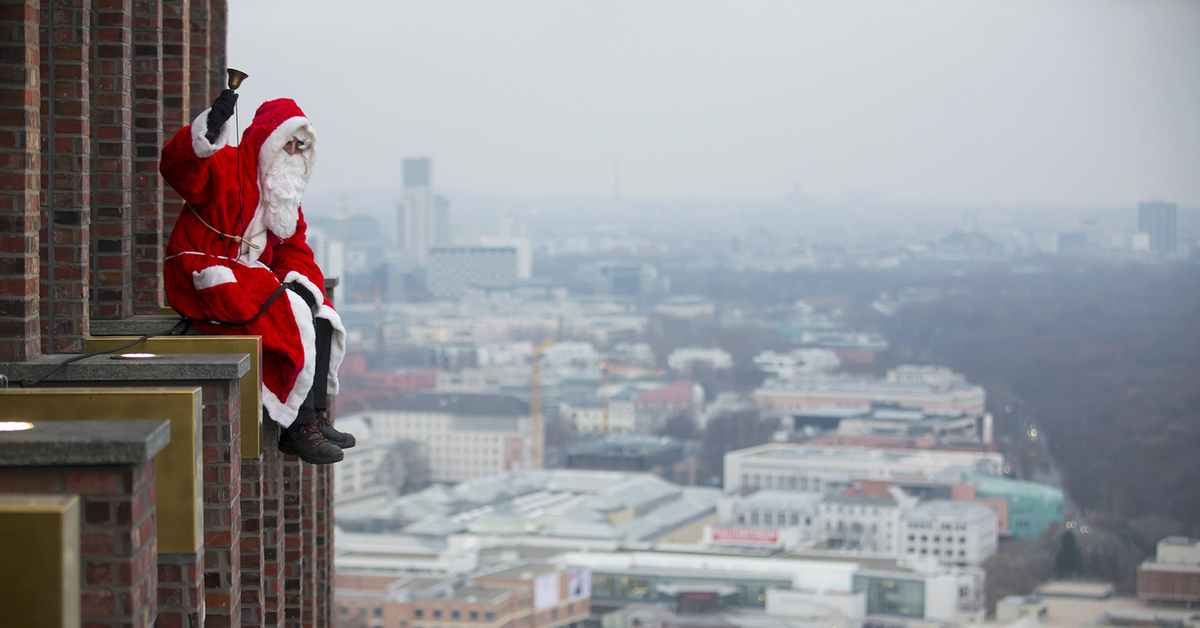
<point>261,310</point>
<point>25,383</point>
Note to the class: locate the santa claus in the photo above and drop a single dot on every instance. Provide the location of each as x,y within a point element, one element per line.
<point>237,261</point>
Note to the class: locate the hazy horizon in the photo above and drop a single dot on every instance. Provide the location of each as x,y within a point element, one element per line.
<point>1082,104</point>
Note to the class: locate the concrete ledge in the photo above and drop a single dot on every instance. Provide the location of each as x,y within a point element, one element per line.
<point>134,325</point>
<point>80,443</point>
<point>106,368</point>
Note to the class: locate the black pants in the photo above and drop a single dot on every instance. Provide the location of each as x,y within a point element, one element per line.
<point>318,395</point>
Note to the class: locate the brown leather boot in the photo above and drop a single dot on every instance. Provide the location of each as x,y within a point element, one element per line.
<point>306,443</point>
<point>341,439</point>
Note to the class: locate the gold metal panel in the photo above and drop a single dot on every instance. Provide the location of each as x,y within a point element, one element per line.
<point>39,540</point>
<point>251,381</point>
<point>167,310</point>
<point>178,467</point>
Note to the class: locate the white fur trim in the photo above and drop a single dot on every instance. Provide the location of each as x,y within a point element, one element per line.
<point>212,276</point>
<point>200,144</point>
<point>337,345</point>
<point>284,412</point>
<point>282,135</point>
<point>318,296</point>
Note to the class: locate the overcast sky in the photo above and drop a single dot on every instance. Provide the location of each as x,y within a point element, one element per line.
<point>1085,103</point>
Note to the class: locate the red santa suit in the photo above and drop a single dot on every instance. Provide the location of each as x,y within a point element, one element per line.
<point>235,242</point>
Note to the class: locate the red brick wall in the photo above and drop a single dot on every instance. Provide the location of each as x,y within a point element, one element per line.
<point>324,545</point>
<point>147,142</point>
<point>272,525</point>
<point>117,541</point>
<point>222,452</point>
<point>218,14</point>
<point>292,546</point>
<point>308,544</point>
<point>180,590</point>
<point>66,205</point>
<point>1178,586</point>
<point>176,88</point>
<point>112,160</point>
<point>299,543</point>
<point>199,62</point>
<point>20,168</point>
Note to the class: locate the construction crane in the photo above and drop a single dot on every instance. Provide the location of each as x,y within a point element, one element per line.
<point>536,420</point>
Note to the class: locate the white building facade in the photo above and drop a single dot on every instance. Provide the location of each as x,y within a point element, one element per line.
<point>356,478</point>
<point>957,533</point>
<point>809,469</point>
<point>464,435</point>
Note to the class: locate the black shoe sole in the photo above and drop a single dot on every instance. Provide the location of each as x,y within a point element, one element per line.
<point>288,449</point>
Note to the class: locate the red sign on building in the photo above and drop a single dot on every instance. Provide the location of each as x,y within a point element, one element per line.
<point>745,535</point>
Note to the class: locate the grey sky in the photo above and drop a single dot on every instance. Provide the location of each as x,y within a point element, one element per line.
<point>1089,102</point>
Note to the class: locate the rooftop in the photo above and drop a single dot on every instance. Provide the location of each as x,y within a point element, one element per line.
<point>561,503</point>
<point>522,572</point>
<point>781,451</point>
<point>988,485</point>
<point>459,404</point>
<point>845,384</point>
<point>628,445</point>
<point>939,508</point>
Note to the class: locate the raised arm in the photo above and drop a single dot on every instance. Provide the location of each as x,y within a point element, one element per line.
<point>185,162</point>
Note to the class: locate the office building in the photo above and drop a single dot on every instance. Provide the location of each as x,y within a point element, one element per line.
<point>1158,219</point>
<point>796,467</point>
<point>521,596</point>
<point>463,435</point>
<point>1031,507</point>
<point>1174,573</point>
<point>936,391</point>
<point>959,533</point>
<point>450,270</point>
<point>422,218</point>
<point>357,477</point>
<point>665,457</point>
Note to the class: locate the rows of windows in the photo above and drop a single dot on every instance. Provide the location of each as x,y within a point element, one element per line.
<point>773,518</point>
<point>936,539</point>
<point>794,483</point>
<point>455,615</point>
<point>949,553</point>
<point>928,525</point>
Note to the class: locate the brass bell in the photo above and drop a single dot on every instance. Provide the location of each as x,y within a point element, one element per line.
<point>235,77</point>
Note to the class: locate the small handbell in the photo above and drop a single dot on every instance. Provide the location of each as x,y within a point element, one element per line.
<point>235,78</point>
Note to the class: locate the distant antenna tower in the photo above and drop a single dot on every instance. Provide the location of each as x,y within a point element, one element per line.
<point>617,180</point>
<point>343,215</point>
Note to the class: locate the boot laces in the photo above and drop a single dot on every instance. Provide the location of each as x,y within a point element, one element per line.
<point>314,430</point>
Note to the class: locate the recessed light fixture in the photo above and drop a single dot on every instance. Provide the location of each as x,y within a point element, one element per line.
<point>15,426</point>
<point>135,356</point>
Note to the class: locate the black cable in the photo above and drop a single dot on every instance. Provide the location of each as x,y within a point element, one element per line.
<point>182,325</point>
<point>274,295</point>
<point>25,383</point>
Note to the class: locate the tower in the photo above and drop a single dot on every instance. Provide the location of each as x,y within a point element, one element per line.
<point>422,219</point>
<point>1158,219</point>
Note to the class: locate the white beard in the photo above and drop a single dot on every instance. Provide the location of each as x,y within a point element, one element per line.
<point>282,186</point>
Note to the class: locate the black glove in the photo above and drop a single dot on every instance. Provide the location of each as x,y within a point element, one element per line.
<point>222,110</point>
<point>295,286</point>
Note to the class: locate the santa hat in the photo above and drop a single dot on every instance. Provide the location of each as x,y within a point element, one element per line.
<point>275,123</point>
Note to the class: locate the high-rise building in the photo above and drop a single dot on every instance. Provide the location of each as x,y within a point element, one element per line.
<point>450,270</point>
<point>1158,219</point>
<point>422,219</point>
